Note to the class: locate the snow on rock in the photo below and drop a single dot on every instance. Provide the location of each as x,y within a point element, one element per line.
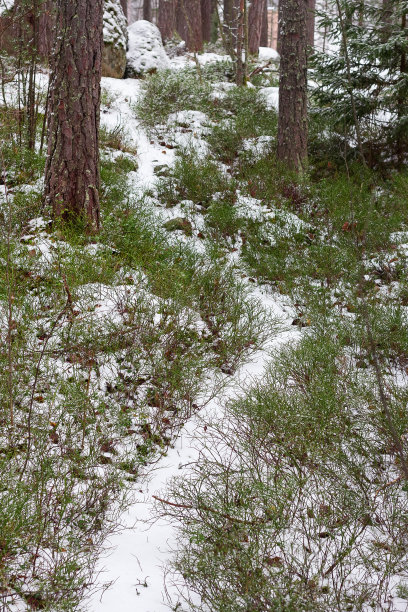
<point>272,96</point>
<point>146,53</point>
<point>115,38</point>
<point>266,54</point>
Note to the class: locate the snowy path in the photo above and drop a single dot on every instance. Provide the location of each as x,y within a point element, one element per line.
<point>140,551</point>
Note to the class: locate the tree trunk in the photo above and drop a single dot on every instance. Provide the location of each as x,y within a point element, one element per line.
<point>206,18</point>
<point>264,42</point>
<point>292,123</point>
<point>278,38</point>
<point>188,21</point>
<point>72,175</point>
<point>124,4</point>
<point>255,18</point>
<point>231,11</point>
<point>147,10</point>
<point>167,18</point>
<point>310,23</point>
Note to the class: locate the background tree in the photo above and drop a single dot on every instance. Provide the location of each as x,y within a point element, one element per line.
<point>124,4</point>
<point>255,23</point>
<point>292,122</point>
<point>167,18</point>
<point>72,174</point>
<point>189,24</point>
<point>147,10</point>
<point>207,7</point>
<point>264,42</point>
<point>310,23</point>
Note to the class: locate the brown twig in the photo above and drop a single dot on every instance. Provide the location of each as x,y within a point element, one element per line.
<point>209,509</point>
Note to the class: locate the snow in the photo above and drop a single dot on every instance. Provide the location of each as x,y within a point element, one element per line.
<point>267,54</point>
<point>114,24</point>
<point>5,5</point>
<point>141,551</point>
<point>272,96</point>
<point>146,52</point>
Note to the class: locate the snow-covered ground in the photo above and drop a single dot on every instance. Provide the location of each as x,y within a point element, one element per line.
<point>138,555</point>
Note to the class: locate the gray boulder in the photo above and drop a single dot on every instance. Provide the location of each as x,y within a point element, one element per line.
<point>146,53</point>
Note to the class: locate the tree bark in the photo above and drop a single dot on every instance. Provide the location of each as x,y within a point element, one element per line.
<point>310,23</point>
<point>72,174</point>
<point>147,10</point>
<point>264,42</point>
<point>206,19</point>
<point>167,18</point>
<point>231,11</point>
<point>188,21</point>
<point>255,18</point>
<point>292,122</point>
<point>124,4</point>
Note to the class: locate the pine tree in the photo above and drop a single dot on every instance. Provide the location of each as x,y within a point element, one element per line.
<point>167,18</point>
<point>363,81</point>
<point>292,122</point>
<point>72,174</point>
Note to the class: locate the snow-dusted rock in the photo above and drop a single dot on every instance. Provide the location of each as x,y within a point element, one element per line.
<point>115,39</point>
<point>146,52</point>
<point>267,53</point>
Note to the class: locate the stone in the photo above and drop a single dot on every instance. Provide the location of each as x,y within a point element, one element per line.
<point>146,53</point>
<point>115,40</point>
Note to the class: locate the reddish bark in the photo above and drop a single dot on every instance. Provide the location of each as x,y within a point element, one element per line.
<point>206,19</point>
<point>310,23</point>
<point>72,175</point>
<point>292,123</point>
<point>264,42</point>
<point>188,22</point>
<point>147,10</point>
<point>255,19</point>
<point>124,4</point>
<point>167,18</point>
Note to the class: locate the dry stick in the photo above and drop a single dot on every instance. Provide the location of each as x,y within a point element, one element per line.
<point>208,509</point>
<point>350,87</point>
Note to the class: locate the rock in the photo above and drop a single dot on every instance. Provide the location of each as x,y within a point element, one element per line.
<point>179,223</point>
<point>146,53</point>
<point>115,40</point>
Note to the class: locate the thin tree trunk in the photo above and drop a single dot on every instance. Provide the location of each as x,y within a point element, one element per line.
<point>167,18</point>
<point>72,175</point>
<point>264,42</point>
<point>124,4</point>
<point>292,123</point>
<point>147,10</point>
<point>255,18</point>
<point>206,19</point>
<point>188,21</point>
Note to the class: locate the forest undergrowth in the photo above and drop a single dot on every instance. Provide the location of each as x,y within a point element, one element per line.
<point>111,342</point>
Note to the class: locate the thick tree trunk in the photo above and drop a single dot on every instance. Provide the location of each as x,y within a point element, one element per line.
<point>255,18</point>
<point>264,42</point>
<point>72,175</point>
<point>189,26</point>
<point>167,18</point>
<point>292,123</point>
<point>206,18</point>
<point>147,10</point>
<point>310,23</point>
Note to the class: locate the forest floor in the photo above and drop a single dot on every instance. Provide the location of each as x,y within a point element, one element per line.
<point>229,317</point>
